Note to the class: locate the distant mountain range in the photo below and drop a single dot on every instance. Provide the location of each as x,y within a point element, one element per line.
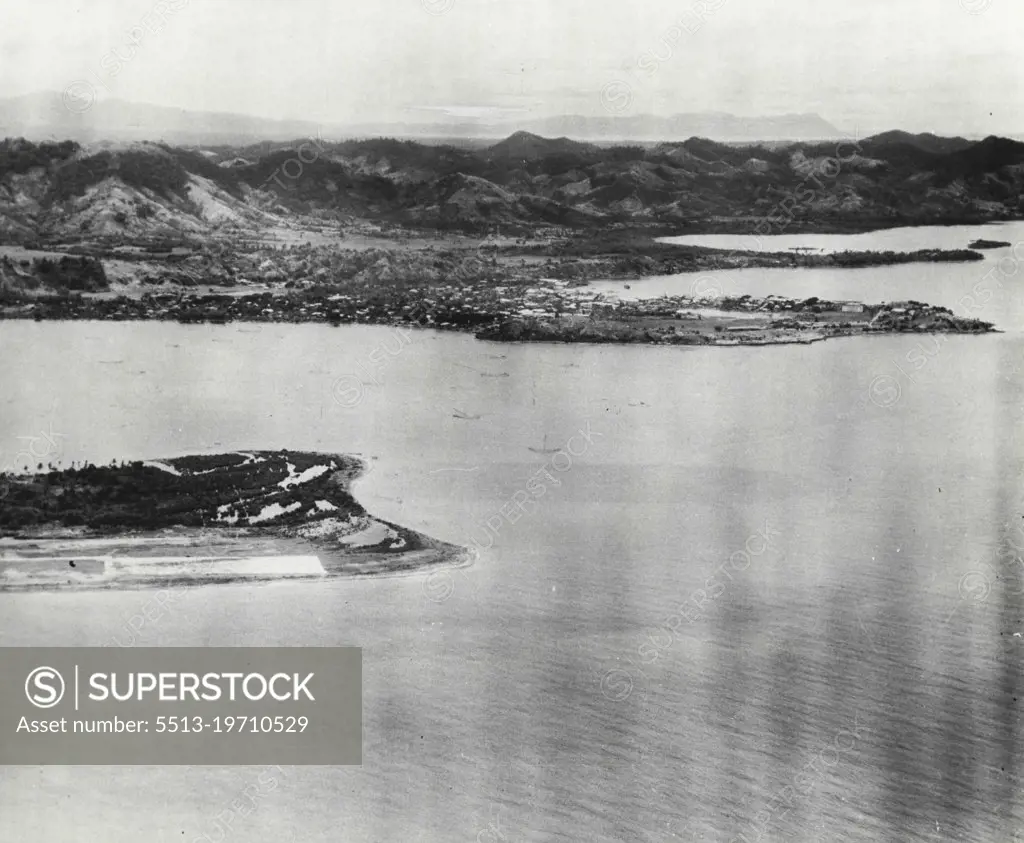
<point>727,128</point>
<point>77,114</point>
<point>142,190</point>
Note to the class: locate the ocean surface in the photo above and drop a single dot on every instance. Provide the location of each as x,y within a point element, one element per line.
<point>832,531</point>
<point>907,239</point>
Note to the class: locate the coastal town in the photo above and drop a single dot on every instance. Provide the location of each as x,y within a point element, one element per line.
<point>544,309</point>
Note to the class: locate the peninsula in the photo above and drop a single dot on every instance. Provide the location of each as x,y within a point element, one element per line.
<point>731,321</point>
<point>261,515</point>
<point>545,310</point>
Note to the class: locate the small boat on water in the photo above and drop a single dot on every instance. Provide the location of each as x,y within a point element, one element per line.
<point>545,449</point>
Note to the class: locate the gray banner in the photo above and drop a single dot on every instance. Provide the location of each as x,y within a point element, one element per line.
<point>217,705</point>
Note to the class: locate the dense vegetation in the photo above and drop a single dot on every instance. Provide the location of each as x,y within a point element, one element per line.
<point>26,279</point>
<point>161,174</point>
<point>18,155</point>
<point>209,491</point>
<point>79,274</point>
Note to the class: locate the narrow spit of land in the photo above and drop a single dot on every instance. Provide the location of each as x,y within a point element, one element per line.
<point>200,520</point>
<point>730,321</point>
<point>505,290</point>
<point>548,311</point>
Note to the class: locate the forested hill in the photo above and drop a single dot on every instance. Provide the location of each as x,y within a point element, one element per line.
<point>66,191</point>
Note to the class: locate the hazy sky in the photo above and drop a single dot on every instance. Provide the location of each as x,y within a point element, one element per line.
<point>864,65</point>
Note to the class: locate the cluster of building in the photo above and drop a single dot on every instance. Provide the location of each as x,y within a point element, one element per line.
<point>438,290</point>
<point>456,306</point>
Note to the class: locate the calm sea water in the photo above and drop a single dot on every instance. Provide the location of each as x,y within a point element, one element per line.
<point>857,658</point>
<point>989,290</point>
<point>893,239</point>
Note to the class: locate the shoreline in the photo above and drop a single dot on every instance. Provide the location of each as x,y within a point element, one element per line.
<point>296,543</point>
<point>730,225</point>
<point>555,312</point>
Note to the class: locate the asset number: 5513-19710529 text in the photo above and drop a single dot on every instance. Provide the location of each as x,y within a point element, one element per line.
<point>241,723</point>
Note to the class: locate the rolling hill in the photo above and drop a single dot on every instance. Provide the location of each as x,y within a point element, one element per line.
<point>67,191</point>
